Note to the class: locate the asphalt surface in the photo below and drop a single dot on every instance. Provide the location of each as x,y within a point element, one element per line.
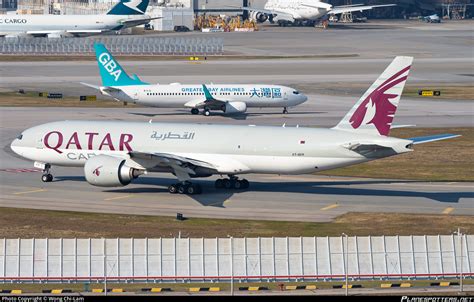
<point>443,55</point>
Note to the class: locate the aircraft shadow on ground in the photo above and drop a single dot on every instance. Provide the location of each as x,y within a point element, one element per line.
<point>243,116</point>
<point>217,197</point>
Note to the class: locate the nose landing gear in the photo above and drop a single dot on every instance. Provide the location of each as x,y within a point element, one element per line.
<point>285,111</point>
<point>47,177</point>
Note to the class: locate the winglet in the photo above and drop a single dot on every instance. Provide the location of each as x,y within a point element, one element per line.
<point>207,94</point>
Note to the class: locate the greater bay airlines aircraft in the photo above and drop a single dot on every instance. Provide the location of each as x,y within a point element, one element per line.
<point>230,98</point>
<point>126,13</point>
<point>114,153</point>
<point>296,11</point>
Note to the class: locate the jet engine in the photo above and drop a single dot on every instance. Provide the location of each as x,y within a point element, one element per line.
<point>109,171</point>
<point>235,107</point>
<point>259,17</point>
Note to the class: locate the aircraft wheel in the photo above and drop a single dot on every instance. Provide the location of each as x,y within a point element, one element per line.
<point>194,111</point>
<point>238,185</point>
<point>47,178</point>
<point>245,184</point>
<point>182,189</point>
<point>219,184</point>
<point>207,112</point>
<point>173,189</point>
<point>228,184</point>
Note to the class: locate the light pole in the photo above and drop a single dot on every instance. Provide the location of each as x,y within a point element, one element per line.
<point>346,256</point>
<point>105,267</point>
<point>231,266</point>
<point>460,235</point>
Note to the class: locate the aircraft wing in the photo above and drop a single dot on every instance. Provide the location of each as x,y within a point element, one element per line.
<point>138,21</point>
<point>431,138</point>
<point>209,101</point>
<point>182,166</point>
<point>347,9</point>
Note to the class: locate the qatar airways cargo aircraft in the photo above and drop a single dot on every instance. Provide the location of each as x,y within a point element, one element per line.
<point>114,153</point>
<point>126,13</point>
<point>229,98</point>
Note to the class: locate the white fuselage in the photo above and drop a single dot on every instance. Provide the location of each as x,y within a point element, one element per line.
<point>297,9</point>
<point>231,149</point>
<point>180,95</point>
<point>31,24</point>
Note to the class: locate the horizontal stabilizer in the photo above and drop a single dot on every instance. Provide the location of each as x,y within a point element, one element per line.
<point>90,85</point>
<point>348,9</point>
<point>431,138</point>
<point>402,126</point>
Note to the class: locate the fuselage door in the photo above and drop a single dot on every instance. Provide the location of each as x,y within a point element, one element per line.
<point>39,143</point>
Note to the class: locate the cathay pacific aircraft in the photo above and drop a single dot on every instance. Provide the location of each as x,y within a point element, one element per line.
<point>126,13</point>
<point>229,98</point>
<point>114,153</point>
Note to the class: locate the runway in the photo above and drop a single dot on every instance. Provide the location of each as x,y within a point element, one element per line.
<point>291,198</point>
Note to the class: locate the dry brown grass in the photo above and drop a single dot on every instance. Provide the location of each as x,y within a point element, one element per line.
<point>450,160</point>
<point>31,99</point>
<point>29,223</point>
<point>448,92</point>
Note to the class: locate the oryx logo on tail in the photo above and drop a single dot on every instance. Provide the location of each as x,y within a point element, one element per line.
<point>377,109</point>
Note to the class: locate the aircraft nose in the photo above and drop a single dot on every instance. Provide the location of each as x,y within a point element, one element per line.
<point>15,146</point>
<point>304,98</point>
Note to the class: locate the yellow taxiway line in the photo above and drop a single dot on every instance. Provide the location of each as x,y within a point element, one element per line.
<point>118,197</point>
<point>28,192</point>
<point>448,210</point>
<point>329,207</point>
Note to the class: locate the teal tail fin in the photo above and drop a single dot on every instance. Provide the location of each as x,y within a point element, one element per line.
<point>130,7</point>
<point>111,72</point>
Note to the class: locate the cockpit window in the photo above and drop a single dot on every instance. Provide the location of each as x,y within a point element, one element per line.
<point>20,136</point>
<point>296,92</point>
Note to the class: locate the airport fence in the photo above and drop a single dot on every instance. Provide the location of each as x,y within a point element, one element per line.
<point>241,259</point>
<point>119,45</point>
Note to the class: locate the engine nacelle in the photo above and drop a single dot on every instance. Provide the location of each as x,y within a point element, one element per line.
<point>235,107</point>
<point>259,17</point>
<point>109,171</point>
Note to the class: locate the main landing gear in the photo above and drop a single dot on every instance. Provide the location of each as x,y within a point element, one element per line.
<point>205,112</point>
<point>47,177</point>
<point>232,183</point>
<point>187,188</point>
